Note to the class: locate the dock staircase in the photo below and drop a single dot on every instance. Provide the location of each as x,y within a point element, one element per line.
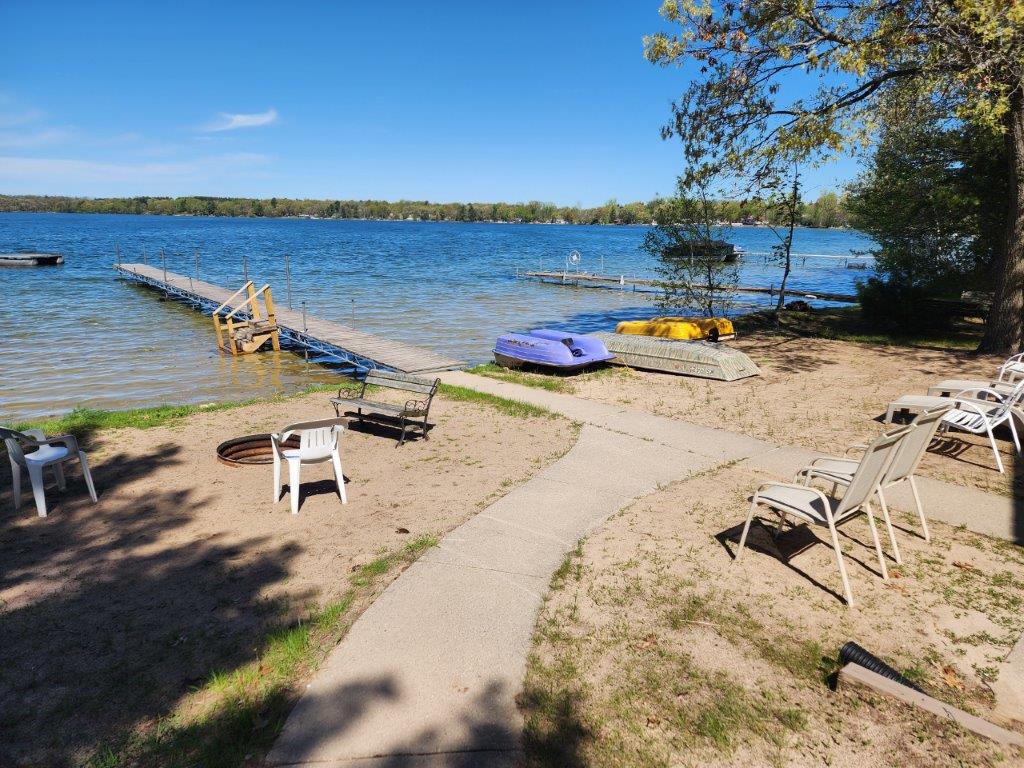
<point>241,328</point>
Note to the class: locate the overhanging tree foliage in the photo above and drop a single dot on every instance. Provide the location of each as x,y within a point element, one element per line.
<point>784,80</point>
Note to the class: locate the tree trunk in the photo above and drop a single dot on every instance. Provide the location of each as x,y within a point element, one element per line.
<point>1004,332</point>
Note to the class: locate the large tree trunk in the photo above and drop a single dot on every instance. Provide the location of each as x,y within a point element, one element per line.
<point>1004,333</point>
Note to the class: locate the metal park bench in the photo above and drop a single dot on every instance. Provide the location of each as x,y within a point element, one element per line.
<point>412,409</point>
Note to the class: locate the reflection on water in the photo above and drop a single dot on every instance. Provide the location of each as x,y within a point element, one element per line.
<point>75,335</point>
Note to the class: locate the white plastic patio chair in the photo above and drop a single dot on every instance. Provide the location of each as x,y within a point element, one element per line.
<point>34,451</point>
<point>1012,369</point>
<point>1007,375</point>
<point>814,507</point>
<point>980,395</point>
<point>909,452</point>
<point>318,442</point>
<point>983,418</point>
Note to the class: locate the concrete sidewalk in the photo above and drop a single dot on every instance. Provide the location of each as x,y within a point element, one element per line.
<point>429,673</point>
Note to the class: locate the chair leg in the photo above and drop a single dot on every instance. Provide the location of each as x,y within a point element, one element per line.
<point>995,450</point>
<point>746,530</point>
<point>293,484</point>
<point>1013,433</point>
<point>58,474</point>
<point>35,476</point>
<point>842,565</point>
<point>878,544</point>
<point>16,484</point>
<point>920,508</point>
<point>277,478</point>
<point>339,476</point>
<point>87,474</point>
<point>888,525</point>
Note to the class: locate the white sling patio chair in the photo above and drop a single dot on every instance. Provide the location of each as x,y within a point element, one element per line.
<point>909,452</point>
<point>983,418</point>
<point>318,442</point>
<point>812,506</point>
<point>34,451</point>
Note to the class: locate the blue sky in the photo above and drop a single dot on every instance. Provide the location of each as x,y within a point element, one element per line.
<point>464,101</point>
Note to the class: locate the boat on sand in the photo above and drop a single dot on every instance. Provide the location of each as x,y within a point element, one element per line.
<point>684,328</point>
<point>550,348</point>
<point>688,358</point>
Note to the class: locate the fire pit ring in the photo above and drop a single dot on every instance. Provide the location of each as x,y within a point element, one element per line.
<point>250,450</point>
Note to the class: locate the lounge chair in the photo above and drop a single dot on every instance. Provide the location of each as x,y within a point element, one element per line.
<point>318,442</point>
<point>812,506</point>
<point>984,396</point>
<point>34,451</point>
<point>911,449</point>
<point>1008,374</point>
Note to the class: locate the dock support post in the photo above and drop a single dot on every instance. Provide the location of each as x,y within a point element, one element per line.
<point>117,247</point>
<point>163,261</point>
<point>245,268</point>
<point>288,279</point>
<point>196,252</point>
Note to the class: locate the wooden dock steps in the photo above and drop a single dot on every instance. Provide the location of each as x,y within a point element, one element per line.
<point>319,335</point>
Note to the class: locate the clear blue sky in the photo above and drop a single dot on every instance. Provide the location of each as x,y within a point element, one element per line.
<point>446,101</point>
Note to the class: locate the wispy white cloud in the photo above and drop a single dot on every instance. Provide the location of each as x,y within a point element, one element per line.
<point>229,122</point>
<point>54,172</point>
<point>36,138</point>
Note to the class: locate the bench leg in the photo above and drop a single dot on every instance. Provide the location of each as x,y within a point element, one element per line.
<point>401,438</point>
<point>426,434</point>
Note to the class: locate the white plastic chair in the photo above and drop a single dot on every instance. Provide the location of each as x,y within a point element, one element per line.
<point>318,442</point>
<point>48,452</point>
<point>983,418</point>
<point>813,506</point>
<point>909,452</point>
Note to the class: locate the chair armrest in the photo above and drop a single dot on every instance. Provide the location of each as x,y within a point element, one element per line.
<point>971,394</point>
<point>858,448</point>
<point>417,405</point>
<point>972,406</point>
<point>797,486</point>
<point>68,441</point>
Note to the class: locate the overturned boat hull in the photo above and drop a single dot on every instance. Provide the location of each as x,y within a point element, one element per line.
<point>682,328</point>
<point>686,358</point>
<point>549,348</point>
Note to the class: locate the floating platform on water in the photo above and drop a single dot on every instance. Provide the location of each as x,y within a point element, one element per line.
<point>688,358</point>
<point>648,284</point>
<point>30,259</point>
<point>330,341</point>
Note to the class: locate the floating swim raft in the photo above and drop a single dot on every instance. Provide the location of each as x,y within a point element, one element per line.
<point>688,358</point>
<point>30,259</point>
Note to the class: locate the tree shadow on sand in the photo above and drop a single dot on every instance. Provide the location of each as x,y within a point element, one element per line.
<point>106,627</point>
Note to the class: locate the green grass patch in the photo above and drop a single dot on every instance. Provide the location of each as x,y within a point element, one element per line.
<point>83,422</point>
<point>513,408</point>
<point>551,383</point>
<point>235,716</point>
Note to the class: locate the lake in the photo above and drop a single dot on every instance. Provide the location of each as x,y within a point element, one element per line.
<point>76,335</point>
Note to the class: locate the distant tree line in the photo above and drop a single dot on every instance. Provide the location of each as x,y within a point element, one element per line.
<point>829,210</point>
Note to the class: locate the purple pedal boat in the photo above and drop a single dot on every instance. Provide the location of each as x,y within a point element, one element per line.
<point>550,349</point>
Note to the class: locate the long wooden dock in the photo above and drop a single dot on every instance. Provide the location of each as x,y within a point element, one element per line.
<point>323,337</point>
<point>592,280</point>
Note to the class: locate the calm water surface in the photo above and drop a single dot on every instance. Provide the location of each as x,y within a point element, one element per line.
<point>77,335</point>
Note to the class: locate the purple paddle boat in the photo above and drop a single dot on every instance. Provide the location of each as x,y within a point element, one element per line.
<point>551,349</point>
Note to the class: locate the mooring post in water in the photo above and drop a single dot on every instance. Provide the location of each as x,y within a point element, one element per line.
<point>288,279</point>
<point>305,328</point>
<point>145,260</point>
<point>353,309</point>
<point>196,251</point>
<point>245,269</point>
<point>163,260</point>
<point>117,248</point>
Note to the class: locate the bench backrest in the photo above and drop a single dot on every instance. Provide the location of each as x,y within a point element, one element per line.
<point>395,380</point>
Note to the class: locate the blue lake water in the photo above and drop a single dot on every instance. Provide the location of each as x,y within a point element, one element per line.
<point>77,335</point>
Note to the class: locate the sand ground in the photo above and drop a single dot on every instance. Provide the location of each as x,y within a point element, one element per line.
<point>110,613</point>
<point>816,393</point>
<point>655,650</point>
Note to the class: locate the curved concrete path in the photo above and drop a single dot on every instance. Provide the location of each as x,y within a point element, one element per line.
<point>429,673</point>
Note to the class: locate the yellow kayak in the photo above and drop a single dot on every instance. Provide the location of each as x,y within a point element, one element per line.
<point>685,328</point>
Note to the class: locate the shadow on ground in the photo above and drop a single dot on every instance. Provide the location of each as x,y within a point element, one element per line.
<point>102,629</point>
